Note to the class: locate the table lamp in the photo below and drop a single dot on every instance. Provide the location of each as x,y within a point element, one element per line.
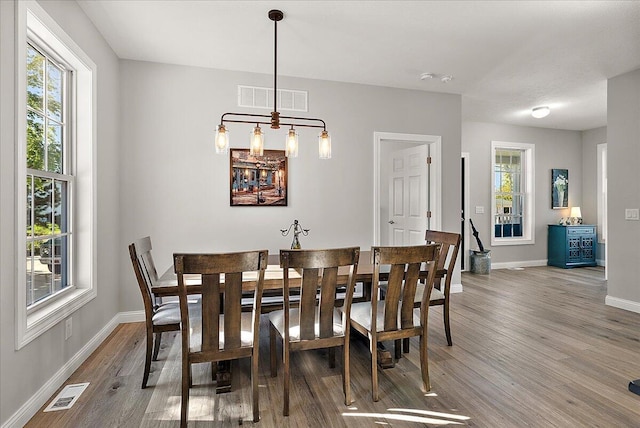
<point>576,215</point>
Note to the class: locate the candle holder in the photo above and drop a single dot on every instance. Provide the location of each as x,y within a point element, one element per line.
<point>297,230</point>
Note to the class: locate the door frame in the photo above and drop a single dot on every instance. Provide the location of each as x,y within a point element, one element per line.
<point>434,142</point>
<point>467,234</point>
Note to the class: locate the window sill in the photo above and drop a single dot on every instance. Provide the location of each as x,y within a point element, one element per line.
<point>46,317</point>
<point>496,242</point>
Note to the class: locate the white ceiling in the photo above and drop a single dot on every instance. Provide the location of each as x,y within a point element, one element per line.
<point>505,56</point>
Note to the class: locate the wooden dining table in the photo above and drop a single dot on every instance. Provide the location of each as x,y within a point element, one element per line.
<point>167,285</point>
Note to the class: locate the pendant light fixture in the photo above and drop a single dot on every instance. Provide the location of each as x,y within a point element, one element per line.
<point>275,120</point>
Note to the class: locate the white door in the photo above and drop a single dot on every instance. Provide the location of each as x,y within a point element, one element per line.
<point>408,196</point>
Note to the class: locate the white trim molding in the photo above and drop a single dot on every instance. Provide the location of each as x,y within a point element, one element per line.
<point>33,20</point>
<point>520,264</point>
<point>627,305</point>
<point>434,143</point>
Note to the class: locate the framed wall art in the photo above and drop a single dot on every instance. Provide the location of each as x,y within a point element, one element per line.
<point>559,189</point>
<point>258,180</point>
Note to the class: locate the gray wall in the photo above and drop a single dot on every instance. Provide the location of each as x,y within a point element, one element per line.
<point>590,141</point>
<point>25,371</point>
<point>176,189</point>
<point>623,147</point>
<point>553,149</point>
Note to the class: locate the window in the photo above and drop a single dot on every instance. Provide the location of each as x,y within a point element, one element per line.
<point>49,180</point>
<point>55,174</point>
<point>512,193</point>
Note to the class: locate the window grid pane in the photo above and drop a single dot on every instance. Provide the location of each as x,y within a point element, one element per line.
<point>48,185</point>
<point>509,196</point>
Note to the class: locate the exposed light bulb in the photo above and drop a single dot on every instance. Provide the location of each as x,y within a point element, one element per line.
<point>291,147</point>
<point>222,139</point>
<point>324,145</point>
<point>256,147</point>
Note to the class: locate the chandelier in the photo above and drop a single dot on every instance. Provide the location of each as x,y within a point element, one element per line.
<point>256,145</point>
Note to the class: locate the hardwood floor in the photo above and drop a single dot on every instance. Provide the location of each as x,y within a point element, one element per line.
<point>533,347</point>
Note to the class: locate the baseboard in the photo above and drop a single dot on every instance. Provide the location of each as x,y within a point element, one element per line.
<point>131,316</point>
<point>44,394</point>
<point>456,288</point>
<point>627,305</point>
<point>521,264</point>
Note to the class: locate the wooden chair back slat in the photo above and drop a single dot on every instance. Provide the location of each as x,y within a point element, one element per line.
<point>210,311</point>
<point>308,293</point>
<point>232,310</point>
<point>392,298</point>
<point>412,275</point>
<point>327,301</point>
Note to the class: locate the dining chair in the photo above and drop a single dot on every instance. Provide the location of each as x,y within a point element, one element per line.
<point>159,317</point>
<point>450,244</point>
<point>313,321</point>
<point>224,332</point>
<point>395,318</point>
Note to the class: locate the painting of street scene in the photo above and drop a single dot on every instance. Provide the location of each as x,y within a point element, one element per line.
<point>258,180</point>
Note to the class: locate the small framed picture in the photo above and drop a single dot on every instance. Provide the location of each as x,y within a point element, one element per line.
<point>559,189</point>
<point>258,180</point>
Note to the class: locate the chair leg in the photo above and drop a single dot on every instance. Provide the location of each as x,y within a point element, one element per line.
<point>397,344</point>
<point>332,358</point>
<point>147,359</point>
<point>405,345</point>
<point>286,374</point>
<point>424,363</point>
<point>447,327</point>
<point>186,382</point>
<point>156,345</point>
<point>272,351</point>
<point>254,384</point>
<point>373,347</point>
<point>346,372</point>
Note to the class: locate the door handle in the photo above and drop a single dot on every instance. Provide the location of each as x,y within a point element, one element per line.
<point>392,222</point>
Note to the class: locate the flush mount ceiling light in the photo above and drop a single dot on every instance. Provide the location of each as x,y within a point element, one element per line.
<point>444,78</point>
<point>540,112</point>
<point>274,119</point>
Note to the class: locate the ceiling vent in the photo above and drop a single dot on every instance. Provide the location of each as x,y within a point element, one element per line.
<point>257,97</point>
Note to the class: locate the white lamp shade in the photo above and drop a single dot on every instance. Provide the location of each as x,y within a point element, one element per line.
<point>256,148</point>
<point>222,140</point>
<point>575,212</point>
<point>291,147</point>
<point>324,145</point>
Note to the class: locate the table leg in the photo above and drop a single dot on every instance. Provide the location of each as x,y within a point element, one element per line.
<point>223,377</point>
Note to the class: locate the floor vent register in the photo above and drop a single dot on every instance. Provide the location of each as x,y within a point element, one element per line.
<point>67,397</point>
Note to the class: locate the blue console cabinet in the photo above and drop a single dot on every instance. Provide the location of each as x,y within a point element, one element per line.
<point>571,246</point>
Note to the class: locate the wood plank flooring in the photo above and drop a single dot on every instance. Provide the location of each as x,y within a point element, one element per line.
<point>533,347</point>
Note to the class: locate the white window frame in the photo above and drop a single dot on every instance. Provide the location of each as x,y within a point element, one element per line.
<point>35,24</point>
<point>528,182</point>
